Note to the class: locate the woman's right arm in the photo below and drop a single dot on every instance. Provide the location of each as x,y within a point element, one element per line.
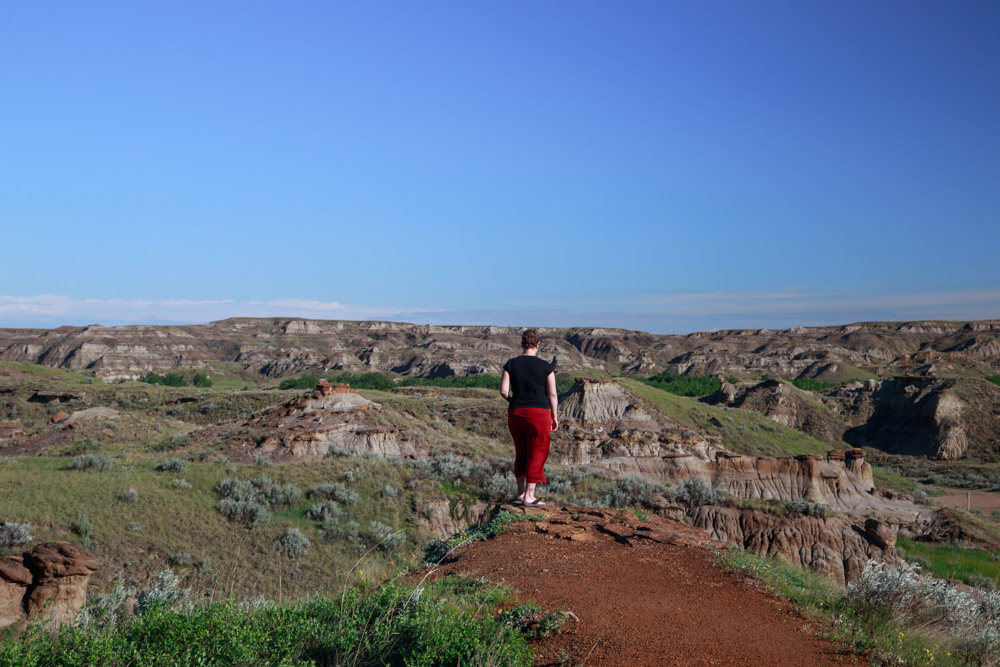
<point>505,386</point>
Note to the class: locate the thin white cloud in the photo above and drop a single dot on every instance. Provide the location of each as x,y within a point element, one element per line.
<point>53,310</point>
<point>669,313</point>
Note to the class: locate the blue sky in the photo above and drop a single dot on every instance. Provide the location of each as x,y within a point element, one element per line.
<point>664,166</point>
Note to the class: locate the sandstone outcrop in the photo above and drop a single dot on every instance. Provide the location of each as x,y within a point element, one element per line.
<point>49,584</point>
<point>10,431</point>
<point>602,402</point>
<point>608,425</point>
<point>831,545</point>
<point>586,524</point>
<point>330,416</point>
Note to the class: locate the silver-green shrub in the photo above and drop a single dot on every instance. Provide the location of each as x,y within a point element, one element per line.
<point>381,535</point>
<point>95,461</point>
<point>293,543</point>
<point>320,511</point>
<point>451,467</point>
<point>15,534</point>
<point>629,491</point>
<point>335,491</point>
<point>130,496</point>
<point>172,465</point>
<point>902,595</point>
<point>499,486</point>
<point>694,493</point>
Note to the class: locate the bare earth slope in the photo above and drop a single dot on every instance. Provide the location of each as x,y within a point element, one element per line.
<point>642,601</point>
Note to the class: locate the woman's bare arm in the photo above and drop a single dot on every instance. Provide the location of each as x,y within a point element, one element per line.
<point>505,386</point>
<point>550,384</point>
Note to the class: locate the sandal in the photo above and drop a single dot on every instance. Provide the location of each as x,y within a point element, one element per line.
<point>536,503</point>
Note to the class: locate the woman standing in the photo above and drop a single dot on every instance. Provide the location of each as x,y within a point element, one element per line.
<point>531,415</point>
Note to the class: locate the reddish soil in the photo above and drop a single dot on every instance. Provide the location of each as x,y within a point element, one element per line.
<point>963,499</point>
<point>643,602</point>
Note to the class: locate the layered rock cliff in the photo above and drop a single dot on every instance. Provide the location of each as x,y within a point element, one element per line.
<point>279,347</point>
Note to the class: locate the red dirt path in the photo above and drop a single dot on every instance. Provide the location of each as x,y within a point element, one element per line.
<point>644,603</point>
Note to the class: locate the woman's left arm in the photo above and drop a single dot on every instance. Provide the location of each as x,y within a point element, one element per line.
<point>550,385</point>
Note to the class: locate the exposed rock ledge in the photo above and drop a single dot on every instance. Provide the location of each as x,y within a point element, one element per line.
<point>830,545</point>
<point>49,584</point>
<point>843,481</point>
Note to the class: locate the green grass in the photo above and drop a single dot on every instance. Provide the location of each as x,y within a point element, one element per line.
<point>995,379</point>
<point>743,431</point>
<point>810,384</point>
<point>450,622</point>
<point>972,566</point>
<point>44,492</point>
<point>47,373</point>
<point>887,479</point>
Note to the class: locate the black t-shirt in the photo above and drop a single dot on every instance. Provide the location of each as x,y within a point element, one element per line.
<point>527,381</point>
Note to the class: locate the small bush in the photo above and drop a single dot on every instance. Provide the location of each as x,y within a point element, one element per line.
<point>803,508</point>
<point>201,380</point>
<point>183,558</point>
<point>130,496</point>
<point>499,486</point>
<point>694,493</point>
<point>15,534</point>
<point>181,484</point>
<point>450,467</point>
<point>262,461</point>
<point>172,465</point>
<point>628,491</point>
<point>293,543</point>
<point>340,528</point>
<point>389,492</point>
<point>322,511</point>
<point>333,451</point>
<point>381,535</point>
<point>134,527</point>
<point>95,461</point>
<point>85,529</point>
<point>247,512</point>
<point>335,491</point>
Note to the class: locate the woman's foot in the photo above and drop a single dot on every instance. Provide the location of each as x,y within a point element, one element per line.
<point>534,503</point>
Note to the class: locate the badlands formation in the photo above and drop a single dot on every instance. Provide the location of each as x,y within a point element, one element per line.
<point>915,389</point>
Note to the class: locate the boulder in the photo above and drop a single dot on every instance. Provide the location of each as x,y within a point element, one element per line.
<point>60,572</point>
<point>882,534</point>
<point>14,582</point>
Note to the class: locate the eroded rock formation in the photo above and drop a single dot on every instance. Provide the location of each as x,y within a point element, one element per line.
<point>831,545</point>
<point>49,584</point>
<point>330,416</point>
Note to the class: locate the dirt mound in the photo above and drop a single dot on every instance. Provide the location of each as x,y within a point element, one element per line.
<point>641,602</point>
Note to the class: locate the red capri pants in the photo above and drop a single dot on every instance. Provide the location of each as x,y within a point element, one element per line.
<point>530,428</point>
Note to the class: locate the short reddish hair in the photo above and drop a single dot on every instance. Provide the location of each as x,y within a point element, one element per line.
<point>529,338</point>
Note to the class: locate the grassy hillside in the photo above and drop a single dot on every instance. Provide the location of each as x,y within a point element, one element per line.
<point>742,431</point>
